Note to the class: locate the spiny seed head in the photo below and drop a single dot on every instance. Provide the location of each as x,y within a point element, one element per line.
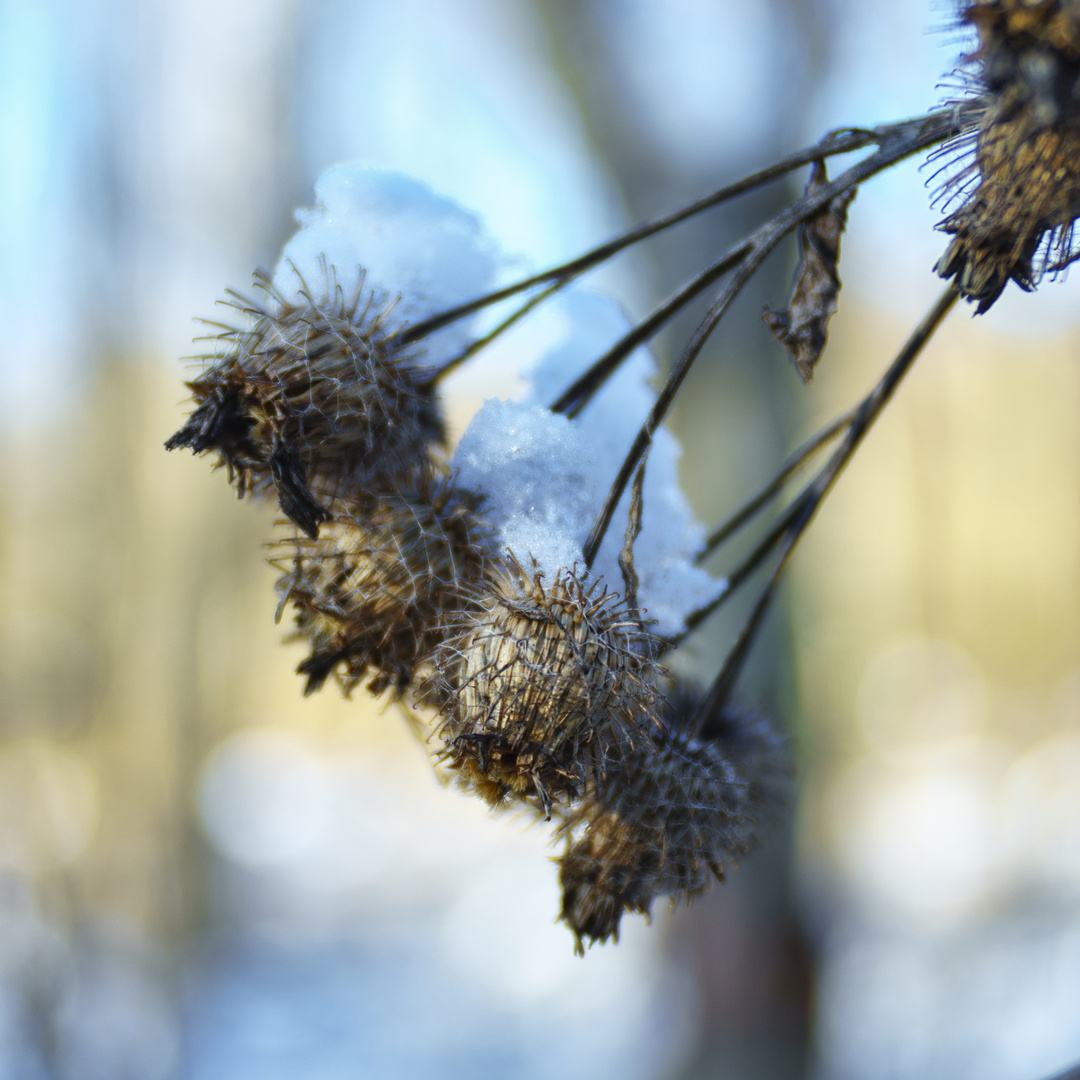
<point>315,401</point>
<point>665,821</point>
<point>542,683</point>
<point>376,591</point>
<point>1021,187</point>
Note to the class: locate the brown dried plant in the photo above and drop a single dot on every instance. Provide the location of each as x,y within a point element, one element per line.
<point>542,685</point>
<point>375,590</point>
<point>315,400</point>
<point>1020,187</point>
<point>802,328</point>
<point>549,689</point>
<point>666,820</point>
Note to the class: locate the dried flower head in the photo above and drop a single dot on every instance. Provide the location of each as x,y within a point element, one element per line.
<point>314,400</point>
<point>664,822</point>
<point>375,591</point>
<point>542,683</point>
<point>1021,189</point>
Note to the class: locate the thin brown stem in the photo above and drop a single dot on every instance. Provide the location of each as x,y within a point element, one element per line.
<point>756,247</point>
<point>474,347</point>
<point>926,130</point>
<point>574,399</point>
<point>806,506</point>
<point>747,567</point>
<point>795,461</point>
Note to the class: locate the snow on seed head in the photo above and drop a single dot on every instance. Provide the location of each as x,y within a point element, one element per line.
<point>670,585</point>
<point>314,399</point>
<point>415,245</point>
<point>535,468</point>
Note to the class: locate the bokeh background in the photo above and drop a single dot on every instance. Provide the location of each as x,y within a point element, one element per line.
<point>205,876</point>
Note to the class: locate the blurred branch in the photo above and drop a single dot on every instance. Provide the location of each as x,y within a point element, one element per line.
<point>1068,1074</point>
<point>798,516</point>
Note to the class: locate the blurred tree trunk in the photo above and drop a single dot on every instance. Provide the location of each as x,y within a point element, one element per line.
<point>741,412</point>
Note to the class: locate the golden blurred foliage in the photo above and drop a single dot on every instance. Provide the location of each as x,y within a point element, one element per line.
<point>959,520</point>
<point>137,633</point>
<point>956,528</point>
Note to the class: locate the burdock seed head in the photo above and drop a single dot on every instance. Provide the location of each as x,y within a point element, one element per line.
<point>314,401</point>
<point>665,822</point>
<point>377,590</point>
<point>541,685</point>
<point>1021,188</point>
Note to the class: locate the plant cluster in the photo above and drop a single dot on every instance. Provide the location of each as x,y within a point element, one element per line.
<point>484,586</point>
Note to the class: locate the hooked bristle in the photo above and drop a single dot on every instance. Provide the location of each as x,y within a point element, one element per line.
<point>666,821</point>
<point>1022,188</point>
<point>541,685</point>
<point>316,402</point>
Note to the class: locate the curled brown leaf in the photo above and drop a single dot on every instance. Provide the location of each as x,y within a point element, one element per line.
<point>802,328</point>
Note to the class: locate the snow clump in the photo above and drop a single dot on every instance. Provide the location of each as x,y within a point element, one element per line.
<point>408,241</point>
<point>543,477</point>
<point>546,477</point>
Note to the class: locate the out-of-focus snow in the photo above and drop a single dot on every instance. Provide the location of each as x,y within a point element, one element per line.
<point>411,242</point>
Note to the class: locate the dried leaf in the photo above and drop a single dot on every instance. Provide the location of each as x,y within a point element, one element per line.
<point>802,328</point>
<point>633,529</point>
<point>297,502</point>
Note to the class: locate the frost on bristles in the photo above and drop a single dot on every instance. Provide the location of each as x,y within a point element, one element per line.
<point>665,821</point>
<point>314,401</point>
<point>542,685</point>
<point>375,593</point>
<point>1020,188</point>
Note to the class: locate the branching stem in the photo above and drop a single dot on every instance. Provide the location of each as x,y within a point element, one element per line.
<point>754,506</point>
<point>748,256</point>
<point>926,130</point>
<point>798,516</point>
